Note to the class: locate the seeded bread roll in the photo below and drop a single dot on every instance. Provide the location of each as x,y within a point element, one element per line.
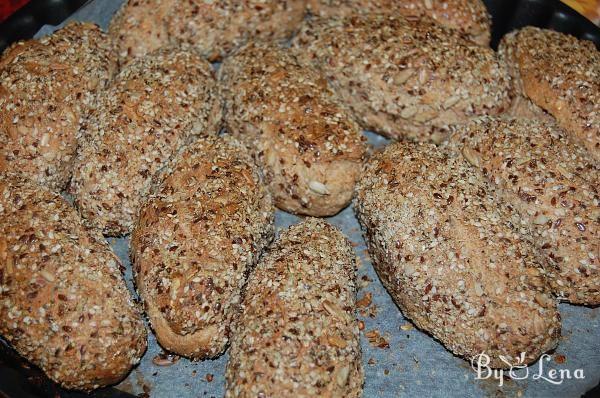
<point>139,28</point>
<point>297,334</point>
<point>215,28</point>
<point>196,240</point>
<point>310,148</point>
<point>553,184</point>
<point>45,86</point>
<point>469,17</point>
<point>452,257</point>
<point>156,105</point>
<point>405,78</point>
<point>63,301</point>
<point>561,74</point>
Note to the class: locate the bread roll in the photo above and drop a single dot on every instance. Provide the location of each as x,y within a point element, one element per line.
<point>156,105</point>
<point>297,335</point>
<point>45,87</point>
<point>453,258</point>
<point>561,74</point>
<point>140,27</point>
<point>63,301</point>
<point>405,78</point>
<point>215,28</point>
<point>469,17</point>
<point>553,184</point>
<point>310,148</point>
<point>196,239</point>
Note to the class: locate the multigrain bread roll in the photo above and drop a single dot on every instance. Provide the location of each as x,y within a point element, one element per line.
<point>215,28</point>
<point>156,105</point>
<point>196,240</point>
<point>139,28</point>
<point>297,334</point>
<point>469,17</point>
<point>63,301</point>
<point>452,257</point>
<point>405,78</point>
<point>560,74</point>
<point>553,184</point>
<point>45,86</point>
<point>310,148</point>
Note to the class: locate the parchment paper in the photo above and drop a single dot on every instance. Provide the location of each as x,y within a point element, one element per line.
<point>414,364</point>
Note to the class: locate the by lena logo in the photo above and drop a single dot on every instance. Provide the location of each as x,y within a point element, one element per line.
<point>519,371</point>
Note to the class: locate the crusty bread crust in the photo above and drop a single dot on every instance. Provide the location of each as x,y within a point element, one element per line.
<point>469,17</point>
<point>297,334</point>
<point>214,28</point>
<point>63,301</point>
<point>553,184</point>
<point>561,74</point>
<point>453,257</point>
<point>196,239</point>
<point>45,87</point>
<point>310,148</point>
<point>156,105</point>
<point>405,78</point>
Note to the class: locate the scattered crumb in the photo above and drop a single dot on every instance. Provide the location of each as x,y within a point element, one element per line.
<point>365,301</point>
<point>209,377</point>
<point>406,327</point>
<point>164,359</point>
<point>560,359</point>
<point>376,339</point>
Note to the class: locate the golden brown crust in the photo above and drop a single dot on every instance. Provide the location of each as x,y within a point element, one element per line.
<point>470,17</point>
<point>45,87</point>
<point>561,74</point>
<point>214,28</point>
<point>63,301</point>
<point>452,256</point>
<point>405,78</point>
<point>196,239</point>
<point>309,146</point>
<point>297,334</point>
<point>156,105</point>
<point>553,184</point>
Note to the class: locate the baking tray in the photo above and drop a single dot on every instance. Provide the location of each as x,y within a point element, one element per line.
<point>406,362</point>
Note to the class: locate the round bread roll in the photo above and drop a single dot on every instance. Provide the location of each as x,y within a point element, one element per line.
<point>310,148</point>
<point>63,301</point>
<point>405,78</point>
<point>553,184</point>
<point>469,17</point>
<point>196,240</point>
<point>453,258</point>
<point>560,74</point>
<point>297,334</point>
<point>156,105</point>
<point>45,87</point>
<point>215,28</point>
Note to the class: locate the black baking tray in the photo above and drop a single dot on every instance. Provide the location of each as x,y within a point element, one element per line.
<point>20,379</point>
<point>30,18</point>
